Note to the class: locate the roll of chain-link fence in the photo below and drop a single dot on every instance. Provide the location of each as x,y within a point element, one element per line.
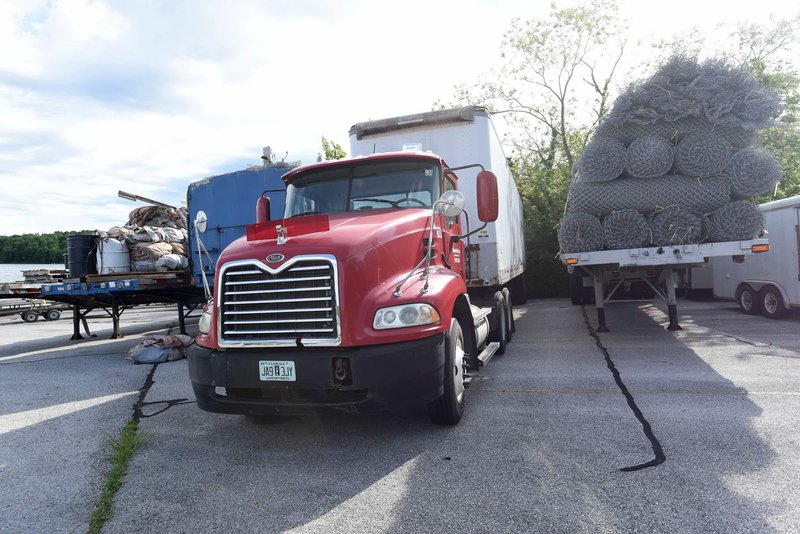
<point>702,154</point>
<point>647,195</point>
<point>580,232</point>
<point>603,159</point>
<point>677,225</point>
<point>625,229</point>
<point>752,172</point>
<point>649,157</point>
<point>736,221</point>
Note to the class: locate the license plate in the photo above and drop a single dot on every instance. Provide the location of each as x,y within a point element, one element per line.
<point>276,371</point>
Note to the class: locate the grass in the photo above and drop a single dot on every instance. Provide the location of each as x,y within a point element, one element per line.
<point>122,450</point>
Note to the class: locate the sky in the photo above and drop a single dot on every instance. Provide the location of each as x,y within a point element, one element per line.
<point>149,96</point>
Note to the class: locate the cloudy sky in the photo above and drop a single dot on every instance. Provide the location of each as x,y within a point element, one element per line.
<point>149,96</point>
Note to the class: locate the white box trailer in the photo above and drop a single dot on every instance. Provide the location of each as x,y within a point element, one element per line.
<point>767,283</point>
<point>462,137</point>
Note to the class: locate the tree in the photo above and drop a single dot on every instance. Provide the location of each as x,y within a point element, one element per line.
<point>553,87</point>
<point>767,51</point>
<point>332,149</point>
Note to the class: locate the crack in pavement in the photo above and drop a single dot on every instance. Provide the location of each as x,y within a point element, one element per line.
<point>658,451</point>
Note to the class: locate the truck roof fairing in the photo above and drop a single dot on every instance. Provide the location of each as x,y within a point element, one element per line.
<point>358,160</point>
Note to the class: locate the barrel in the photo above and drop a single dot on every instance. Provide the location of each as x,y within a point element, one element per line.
<point>112,256</point>
<point>80,255</point>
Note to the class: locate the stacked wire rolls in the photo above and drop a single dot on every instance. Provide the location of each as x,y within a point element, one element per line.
<point>675,162</point>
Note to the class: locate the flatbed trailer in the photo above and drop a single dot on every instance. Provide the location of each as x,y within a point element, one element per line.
<point>608,270</point>
<point>115,293</point>
<point>31,309</point>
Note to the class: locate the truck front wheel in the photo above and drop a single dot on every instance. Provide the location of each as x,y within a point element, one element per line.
<point>448,409</point>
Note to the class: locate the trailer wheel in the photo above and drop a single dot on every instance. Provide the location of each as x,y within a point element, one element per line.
<point>747,300</point>
<point>53,315</point>
<point>448,409</point>
<point>519,290</point>
<point>771,302</point>
<point>29,316</point>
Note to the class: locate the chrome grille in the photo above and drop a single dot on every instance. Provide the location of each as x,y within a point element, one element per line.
<point>259,306</point>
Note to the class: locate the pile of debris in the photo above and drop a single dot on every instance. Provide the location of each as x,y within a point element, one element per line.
<point>156,238</point>
<point>674,162</point>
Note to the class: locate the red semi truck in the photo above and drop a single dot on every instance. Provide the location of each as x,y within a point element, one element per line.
<point>364,294</point>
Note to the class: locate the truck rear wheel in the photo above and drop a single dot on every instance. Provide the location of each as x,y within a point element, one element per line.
<point>29,316</point>
<point>519,290</point>
<point>510,326</point>
<point>53,315</point>
<point>747,300</point>
<point>771,302</point>
<point>498,333</point>
<point>448,409</point>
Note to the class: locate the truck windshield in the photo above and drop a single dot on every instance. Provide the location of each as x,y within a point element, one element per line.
<point>383,185</point>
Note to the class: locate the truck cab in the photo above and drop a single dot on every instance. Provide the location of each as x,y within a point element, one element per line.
<point>357,298</point>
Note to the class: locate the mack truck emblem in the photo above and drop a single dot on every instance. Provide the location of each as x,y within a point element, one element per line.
<point>275,258</point>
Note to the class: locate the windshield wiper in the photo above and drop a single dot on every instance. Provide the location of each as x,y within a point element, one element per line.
<point>392,202</point>
<point>311,212</point>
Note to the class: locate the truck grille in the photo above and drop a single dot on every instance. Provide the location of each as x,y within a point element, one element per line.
<point>261,307</point>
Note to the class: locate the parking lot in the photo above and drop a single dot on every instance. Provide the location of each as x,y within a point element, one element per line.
<point>635,430</point>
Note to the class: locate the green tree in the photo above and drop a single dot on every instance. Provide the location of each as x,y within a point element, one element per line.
<point>553,88</point>
<point>332,149</point>
<point>767,52</point>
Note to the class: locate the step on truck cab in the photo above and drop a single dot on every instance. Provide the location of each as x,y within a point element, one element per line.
<point>359,296</point>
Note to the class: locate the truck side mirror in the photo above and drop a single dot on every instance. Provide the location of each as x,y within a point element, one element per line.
<point>262,209</point>
<point>488,198</point>
<point>201,222</point>
<point>451,203</point>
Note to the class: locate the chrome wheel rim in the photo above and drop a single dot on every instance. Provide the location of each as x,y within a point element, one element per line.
<point>771,303</point>
<point>458,370</point>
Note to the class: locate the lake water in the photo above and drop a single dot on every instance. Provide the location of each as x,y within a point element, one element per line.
<point>12,272</point>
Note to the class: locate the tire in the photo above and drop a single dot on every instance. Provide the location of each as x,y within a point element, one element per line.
<point>771,303</point>
<point>52,315</point>
<point>448,409</point>
<point>499,333</point>
<point>576,287</point>
<point>510,326</point>
<point>747,300</point>
<point>519,290</point>
<point>29,316</point>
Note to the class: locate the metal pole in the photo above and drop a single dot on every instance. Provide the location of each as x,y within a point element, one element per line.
<point>599,302</point>
<point>76,322</point>
<point>115,319</point>
<point>672,307</point>
<point>181,318</point>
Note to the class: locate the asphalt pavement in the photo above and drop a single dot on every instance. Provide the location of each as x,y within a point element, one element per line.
<point>635,430</point>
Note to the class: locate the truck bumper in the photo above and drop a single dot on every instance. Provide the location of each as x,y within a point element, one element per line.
<point>395,375</point>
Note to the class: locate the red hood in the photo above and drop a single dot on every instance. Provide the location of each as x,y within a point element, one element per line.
<point>349,235</point>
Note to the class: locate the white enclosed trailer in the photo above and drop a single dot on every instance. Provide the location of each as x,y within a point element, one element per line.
<point>768,283</point>
<point>463,137</point>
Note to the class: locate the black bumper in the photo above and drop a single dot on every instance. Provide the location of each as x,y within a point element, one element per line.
<point>394,375</point>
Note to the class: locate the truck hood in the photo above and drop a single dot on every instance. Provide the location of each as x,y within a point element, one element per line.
<point>343,235</point>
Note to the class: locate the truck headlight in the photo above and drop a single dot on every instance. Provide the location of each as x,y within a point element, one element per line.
<point>405,316</point>
<point>204,324</point>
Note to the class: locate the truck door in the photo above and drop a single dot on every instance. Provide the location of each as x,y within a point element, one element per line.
<point>453,252</point>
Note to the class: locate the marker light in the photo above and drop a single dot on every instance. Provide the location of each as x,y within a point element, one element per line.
<point>759,248</point>
<point>571,261</point>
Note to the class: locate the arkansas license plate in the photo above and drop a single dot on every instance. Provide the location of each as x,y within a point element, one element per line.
<point>276,371</point>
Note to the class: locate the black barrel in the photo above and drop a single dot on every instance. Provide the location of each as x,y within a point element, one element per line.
<point>81,255</point>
